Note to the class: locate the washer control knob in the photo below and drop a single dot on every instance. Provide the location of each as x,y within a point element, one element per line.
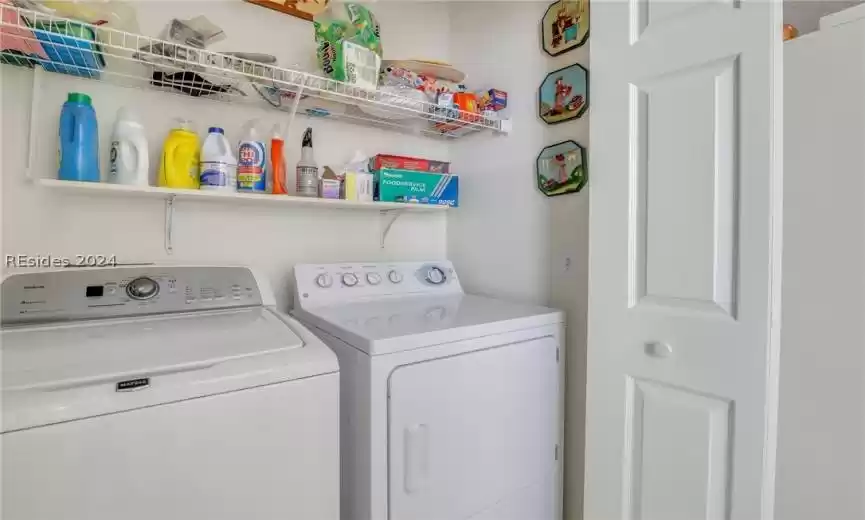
<point>373,278</point>
<point>142,288</point>
<point>394,277</point>
<point>435,276</point>
<point>324,280</point>
<point>349,279</point>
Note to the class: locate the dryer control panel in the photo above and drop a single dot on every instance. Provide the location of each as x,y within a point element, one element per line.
<point>74,294</point>
<point>332,284</point>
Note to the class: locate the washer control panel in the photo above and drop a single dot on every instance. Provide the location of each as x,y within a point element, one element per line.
<point>329,284</point>
<point>124,291</point>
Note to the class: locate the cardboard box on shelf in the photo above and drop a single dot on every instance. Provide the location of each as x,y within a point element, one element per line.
<point>408,163</point>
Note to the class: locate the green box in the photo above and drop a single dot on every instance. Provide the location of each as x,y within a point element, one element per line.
<point>393,185</point>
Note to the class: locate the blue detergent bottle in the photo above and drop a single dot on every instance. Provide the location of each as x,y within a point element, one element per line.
<point>79,140</point>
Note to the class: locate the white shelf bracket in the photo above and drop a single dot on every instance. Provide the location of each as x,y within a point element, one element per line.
<point>34,123</point>
<point>169,224</point>
<point>390,215</point>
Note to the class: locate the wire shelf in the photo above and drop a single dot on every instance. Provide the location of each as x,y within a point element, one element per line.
<point>30,38</point>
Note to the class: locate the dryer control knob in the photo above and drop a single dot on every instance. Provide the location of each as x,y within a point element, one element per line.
<point>349,279</point>
<point>394,277</point>
<point>142,288</point>
<point>324,280</point>
<point>373,278</point>
<point>435,276</point>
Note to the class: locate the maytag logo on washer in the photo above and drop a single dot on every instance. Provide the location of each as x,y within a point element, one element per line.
<point>133,384</point>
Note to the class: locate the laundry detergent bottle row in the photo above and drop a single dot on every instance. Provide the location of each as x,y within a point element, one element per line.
<point>79,140</point>
<point>179,167</point>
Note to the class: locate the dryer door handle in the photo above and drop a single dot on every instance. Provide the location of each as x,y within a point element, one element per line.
<point>416,445</point>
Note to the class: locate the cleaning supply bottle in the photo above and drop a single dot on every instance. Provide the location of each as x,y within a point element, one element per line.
<point>79,140</point>
<point>307,169</point>
<point>277,162</point>
<point>180,158</point>
<point>130,162</point>
<point>218,165</point>
<point>251,161</point>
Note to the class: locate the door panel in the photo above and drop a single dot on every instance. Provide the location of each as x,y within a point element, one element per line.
<point>684,260</point>
<point>471,432</point>
<point>679,460</point>
<point>694,233</point>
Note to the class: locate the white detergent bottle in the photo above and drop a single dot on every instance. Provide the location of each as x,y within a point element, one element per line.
<point>218,165</point>
<point>130,162</point>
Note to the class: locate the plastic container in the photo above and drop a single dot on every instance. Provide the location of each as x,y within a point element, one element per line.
<point>71,48</point>
<point>179,166</point>
<point>277,163</point>
<point>18,44</point>
<point>130,160</point>
<point>79,140</point>
<point>307,168</point>
<point>251,161</point>
<point>218,164</point>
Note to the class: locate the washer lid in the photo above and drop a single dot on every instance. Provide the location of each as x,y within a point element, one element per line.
<point>398,324</point>
<point>53,373</point>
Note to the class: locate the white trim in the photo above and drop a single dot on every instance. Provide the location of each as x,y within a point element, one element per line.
<point>776,213</point>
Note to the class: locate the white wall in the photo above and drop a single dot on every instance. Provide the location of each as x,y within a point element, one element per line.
<point>37,221</point>
<point>821,453</point>
<point>508,239</point>
<point>499,238</point>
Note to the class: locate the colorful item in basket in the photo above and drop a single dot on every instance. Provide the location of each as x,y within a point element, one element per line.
<point>350,51</point>
<point>400,77</point>
<point>493,99</point>
<point>430,77</point>
<point>71,48</point>
<point>398,162</point>
<point>445,108</point>
<point>368,30</point>
<point>18,44</point>
<point>409,186</point>
<point>467,102</point>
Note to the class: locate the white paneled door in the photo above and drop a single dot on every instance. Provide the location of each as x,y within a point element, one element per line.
<point>685,260</point>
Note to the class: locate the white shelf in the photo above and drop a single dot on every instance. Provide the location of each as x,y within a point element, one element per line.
<point>133,60</point>
<point>119,190</point>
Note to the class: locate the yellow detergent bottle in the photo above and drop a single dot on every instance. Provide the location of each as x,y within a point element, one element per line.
<point>179,167</point>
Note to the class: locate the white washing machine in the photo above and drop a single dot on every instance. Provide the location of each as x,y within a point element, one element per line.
<point>148,393</point>
<point>452,404</point>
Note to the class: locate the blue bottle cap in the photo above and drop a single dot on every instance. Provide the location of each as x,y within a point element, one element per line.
<point>215,130</point>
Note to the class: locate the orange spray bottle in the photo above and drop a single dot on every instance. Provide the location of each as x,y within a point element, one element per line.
<point>277,162</point>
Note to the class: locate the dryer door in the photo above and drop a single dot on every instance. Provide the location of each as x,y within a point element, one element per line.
<point>474,435</point>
